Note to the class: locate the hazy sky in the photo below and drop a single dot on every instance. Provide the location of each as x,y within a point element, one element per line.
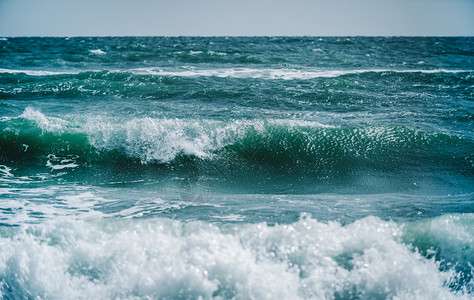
<point>237,17</point>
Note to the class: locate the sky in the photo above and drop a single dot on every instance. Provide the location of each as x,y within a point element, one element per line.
<point>237,17</point>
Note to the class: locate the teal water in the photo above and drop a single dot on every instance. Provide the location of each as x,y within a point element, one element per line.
<point>236,168</point>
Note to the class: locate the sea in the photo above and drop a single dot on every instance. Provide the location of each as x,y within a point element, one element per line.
<point>237,168</point>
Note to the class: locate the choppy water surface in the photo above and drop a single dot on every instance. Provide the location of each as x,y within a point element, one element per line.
<point>236,168</point>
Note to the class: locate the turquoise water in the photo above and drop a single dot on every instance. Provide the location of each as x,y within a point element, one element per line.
<point>236,168</point>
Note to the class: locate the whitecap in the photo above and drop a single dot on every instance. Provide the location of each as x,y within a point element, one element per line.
<point>162,258</point>
<point>48,124</point>
<point>97,51</point>
<point>231,217</point>
<point>38,72</point>
<point>216,53</point>
<point>192,52</point>
<point>274,74</point>
<point>156,139</point>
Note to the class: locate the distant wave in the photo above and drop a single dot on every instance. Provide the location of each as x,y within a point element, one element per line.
<point>40,72</point>
<point>97,51</point>
<point>284,74</point>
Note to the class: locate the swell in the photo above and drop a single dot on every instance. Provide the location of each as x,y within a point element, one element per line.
<point>279,146</point>
<point>168,83</point>
<point>268,73</point>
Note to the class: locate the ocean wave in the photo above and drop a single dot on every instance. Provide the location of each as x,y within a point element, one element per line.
<point>299,147</point>
<point>39,72</point>
<point>261,73</point>
<point>285,74</point>
<point>147,139</point>
<point>155,258</point>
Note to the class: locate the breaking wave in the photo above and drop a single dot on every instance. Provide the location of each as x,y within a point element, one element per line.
<point>287,146</point>
<point>156,258</point>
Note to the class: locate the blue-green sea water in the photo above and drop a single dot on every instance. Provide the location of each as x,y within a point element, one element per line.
<point>236,168</point>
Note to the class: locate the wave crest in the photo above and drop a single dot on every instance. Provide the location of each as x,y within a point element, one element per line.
<point>284,146</point>
<point>262,73</point>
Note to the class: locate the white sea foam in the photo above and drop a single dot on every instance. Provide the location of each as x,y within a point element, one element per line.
<point>48,124</point>
<point>56,163</point>
<point>195,52</point>
<point>453,235</point>
<point>216,53</point>
<point>5,119</point>
<point>285,74</point>
<point>97,51</point>
<point>32,204</point>
<point>7,177</point>
<point>5,171</point>
<point>231,217</point>
<point>162,140</point>
<point>272,74</point>
<point>148,139</point>
<point>39,72</point>
<point>162,258</point>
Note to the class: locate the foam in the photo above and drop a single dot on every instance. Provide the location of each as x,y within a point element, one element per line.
<point>216,53</point>
<point>284,74</point>
<point>451,235</point>
<point>231,217</point>
<point>152,139</point>
<point>97,51</point>
<point>160,139</point>
<point>48,124</point>
<point>56,163</point>
<point>162,258</point>
<point>7,177</point>
<point>195,52</point>
<point>272,74</point>
<point>38,72</point>
<point>36,204</point>
<point>210,52</point>
<point>5,171</point>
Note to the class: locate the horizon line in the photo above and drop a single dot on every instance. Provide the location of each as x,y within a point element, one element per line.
<point>226,36</point>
